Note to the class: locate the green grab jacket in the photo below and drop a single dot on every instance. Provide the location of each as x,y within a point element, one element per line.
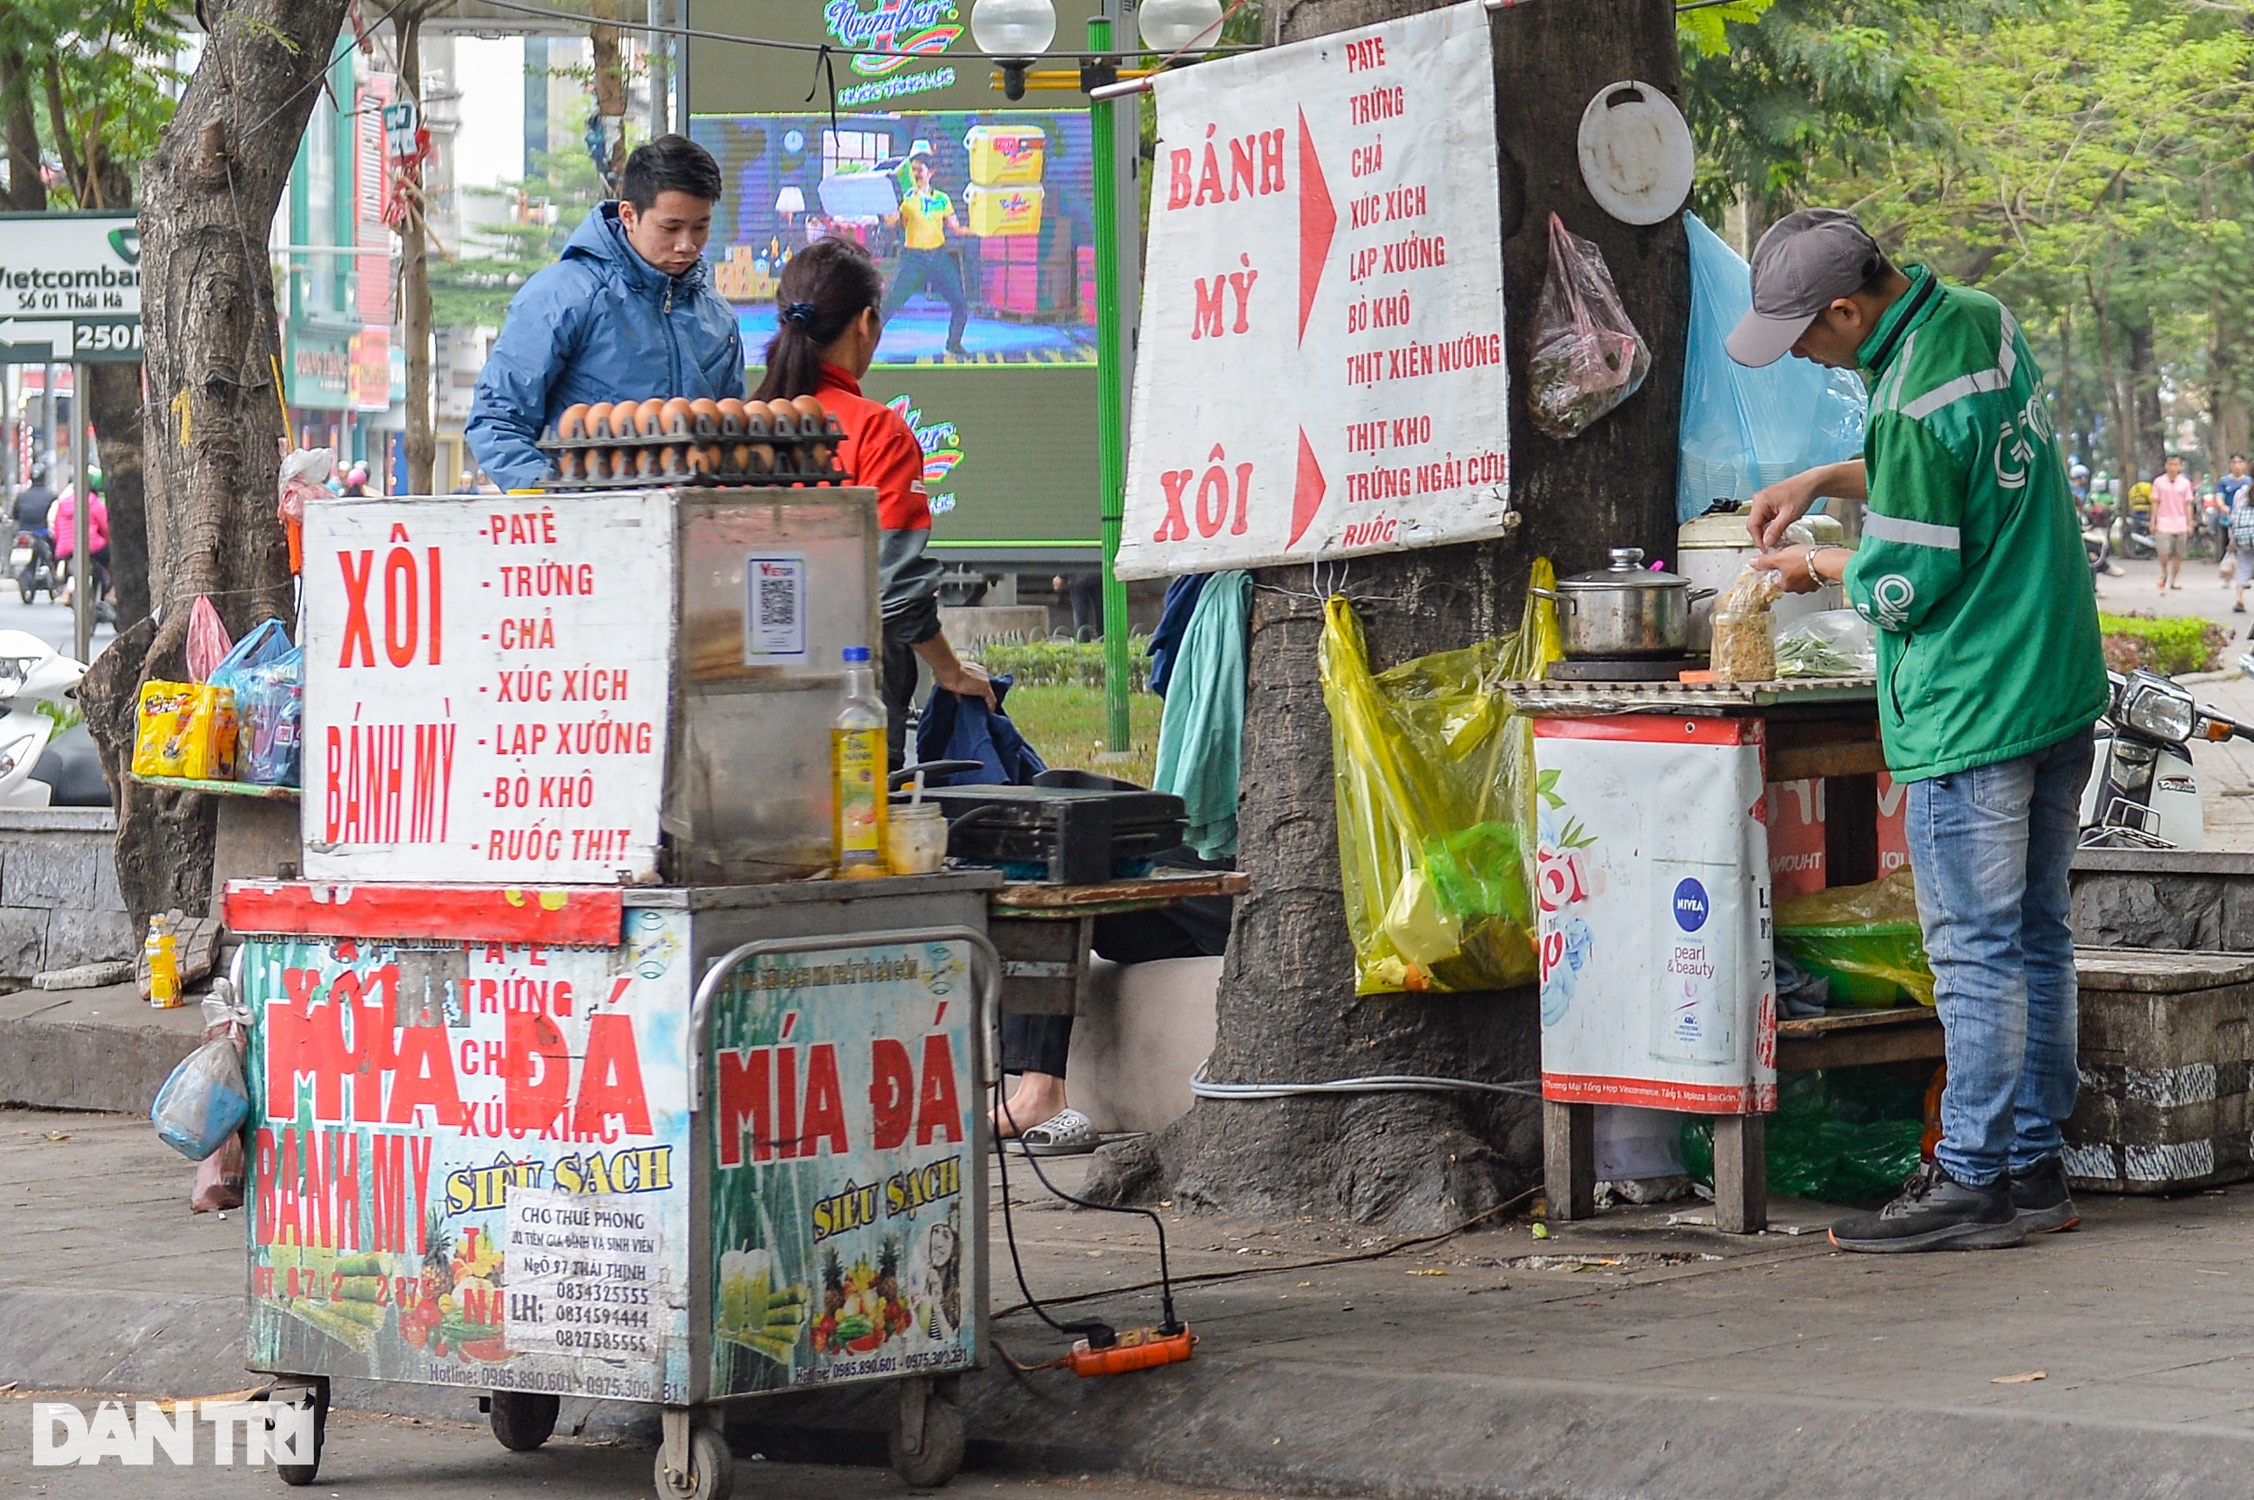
<point>1971,565</point>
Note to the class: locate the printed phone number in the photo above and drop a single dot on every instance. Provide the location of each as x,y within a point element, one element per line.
<point>596,1291</point>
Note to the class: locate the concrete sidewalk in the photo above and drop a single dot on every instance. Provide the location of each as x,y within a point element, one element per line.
<point>1632,1356</point>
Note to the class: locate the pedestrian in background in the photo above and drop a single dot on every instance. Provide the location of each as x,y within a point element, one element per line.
<point>2173,508</point>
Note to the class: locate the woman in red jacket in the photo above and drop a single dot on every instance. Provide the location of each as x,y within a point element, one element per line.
<point>831,301</point>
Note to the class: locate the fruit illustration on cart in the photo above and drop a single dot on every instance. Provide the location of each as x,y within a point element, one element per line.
<point>754,1312</point>
<point>862,1305</point>
<point>457,1311</point>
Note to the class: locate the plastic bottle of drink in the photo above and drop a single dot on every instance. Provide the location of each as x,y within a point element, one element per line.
<point>857,771</point>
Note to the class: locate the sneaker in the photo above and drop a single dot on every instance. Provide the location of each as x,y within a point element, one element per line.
<point>2040,1195</point>
<point>1935,1212</point>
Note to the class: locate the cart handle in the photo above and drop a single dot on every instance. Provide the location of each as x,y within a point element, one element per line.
<point>986,976</point>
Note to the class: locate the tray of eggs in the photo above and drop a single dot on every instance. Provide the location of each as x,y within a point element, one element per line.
<point>637,444</point>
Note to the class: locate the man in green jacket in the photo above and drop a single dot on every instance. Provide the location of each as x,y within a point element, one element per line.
<point>1990,674</point>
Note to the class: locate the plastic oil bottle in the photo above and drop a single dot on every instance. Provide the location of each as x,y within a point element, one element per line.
<point>857,771</point>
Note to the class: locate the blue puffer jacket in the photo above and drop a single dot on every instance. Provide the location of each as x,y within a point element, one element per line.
<point>601,324</point>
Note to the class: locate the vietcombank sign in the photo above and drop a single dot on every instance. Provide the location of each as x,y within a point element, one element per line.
<point>70,288</point>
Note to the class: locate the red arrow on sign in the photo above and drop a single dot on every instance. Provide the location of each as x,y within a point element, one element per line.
<point>1318,221</point>
<point>1306,491</point>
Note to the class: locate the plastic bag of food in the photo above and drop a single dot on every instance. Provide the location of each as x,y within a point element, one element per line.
<point>264,672</point>
<point>185,729</point>
<point>1588,358</point>
<point>1744,625</point>
<point>1865,939</point>
<point>305,476</point>
<point>1434,782</point>
<point>204,1101</point>
<point>1829,643</point>
<point>208,642</point>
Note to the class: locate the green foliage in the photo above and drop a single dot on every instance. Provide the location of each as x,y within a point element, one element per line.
<point>1052,663</point>
<point>98,74</point>
<point>2171,645</point>
<point>1704,30</point>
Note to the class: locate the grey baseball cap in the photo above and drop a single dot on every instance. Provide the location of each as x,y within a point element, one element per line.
<point>1807,261</point>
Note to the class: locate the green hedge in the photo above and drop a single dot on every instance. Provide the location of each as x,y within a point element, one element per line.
<point>2172,645</point>
<point>1062,663</point>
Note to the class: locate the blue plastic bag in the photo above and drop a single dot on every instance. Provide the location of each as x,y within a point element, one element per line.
<point>204,1101</point>
<point>1741,428</point>
<point>266,674</point>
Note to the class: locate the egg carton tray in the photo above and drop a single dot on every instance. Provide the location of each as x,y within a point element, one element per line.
<point>755,451</point>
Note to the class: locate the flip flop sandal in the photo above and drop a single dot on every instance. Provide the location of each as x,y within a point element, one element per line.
<point>1065,1133</point>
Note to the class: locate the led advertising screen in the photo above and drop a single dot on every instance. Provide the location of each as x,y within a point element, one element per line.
<point>980,214</point>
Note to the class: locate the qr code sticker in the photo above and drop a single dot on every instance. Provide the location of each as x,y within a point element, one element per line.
<point>775,613</point>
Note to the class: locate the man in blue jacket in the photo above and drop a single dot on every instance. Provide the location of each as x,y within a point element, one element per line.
<point>625,315</point>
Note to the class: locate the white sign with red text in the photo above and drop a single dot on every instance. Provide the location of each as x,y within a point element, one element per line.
<point>486,685</point>
<point>1320,370</point>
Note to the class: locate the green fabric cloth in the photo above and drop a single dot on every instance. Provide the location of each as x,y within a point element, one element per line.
<point>1201,735</point>
<point>1971,564</point>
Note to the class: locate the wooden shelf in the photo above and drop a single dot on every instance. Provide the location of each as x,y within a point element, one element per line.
<point>219,788</point>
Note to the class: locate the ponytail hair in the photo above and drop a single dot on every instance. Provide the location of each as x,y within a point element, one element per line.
<point>823,289</point>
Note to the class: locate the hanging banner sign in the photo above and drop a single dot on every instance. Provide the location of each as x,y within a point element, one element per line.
<point>1320,372</point>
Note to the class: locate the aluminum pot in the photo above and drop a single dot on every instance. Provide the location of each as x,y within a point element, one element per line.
<point>1624,611</point>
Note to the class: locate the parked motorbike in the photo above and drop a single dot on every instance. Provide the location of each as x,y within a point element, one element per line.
<point>33,676</point>
<point>32,560</point>
<point>2132,537</point>
<point>2143,791</point>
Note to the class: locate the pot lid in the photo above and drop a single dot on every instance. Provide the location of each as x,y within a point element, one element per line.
<point>1636,153</point>
<point>1627,572</point>
<point>1725,530</point>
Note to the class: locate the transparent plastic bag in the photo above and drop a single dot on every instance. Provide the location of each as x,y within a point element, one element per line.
<point>1588,358</point>
<point>1829,643</point>
<point>1840,1135</point>
<point>1434,780</point>
<point>1744,627</point>
<point>264,672</point>
<point>1865,939</point>
<point>204,1101</point>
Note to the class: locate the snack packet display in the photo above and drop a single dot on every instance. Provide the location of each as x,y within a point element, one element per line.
<point>186,729</point>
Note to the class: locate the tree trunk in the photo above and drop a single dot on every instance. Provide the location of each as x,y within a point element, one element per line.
<point>2149,434</point>
<point>27,193</point>
<point>610,96</point>
<point>113,398</point>
<point>1288,1012</point>
<point>213,352</point>
<point>414,285</point>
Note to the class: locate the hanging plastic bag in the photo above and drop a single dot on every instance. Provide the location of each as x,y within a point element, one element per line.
<point>204,1101</point>
<point>264,672</point>
<point>1745,625</point>
<point>1865,939</point>
<point>1744,428</point>
<point>208,642</point>
<point>305,476</point>
<point>1588,358</point>
<point>1433,775</point>
<point>1840,1135</point>
<point>1829,643</point>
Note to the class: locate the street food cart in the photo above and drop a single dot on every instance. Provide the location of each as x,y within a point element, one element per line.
<point>570,1076</point>
<point>1654,877</point>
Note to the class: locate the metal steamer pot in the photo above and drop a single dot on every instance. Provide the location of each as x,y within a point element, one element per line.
<point>1625,611</point>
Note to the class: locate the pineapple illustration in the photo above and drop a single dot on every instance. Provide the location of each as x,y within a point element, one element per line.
<point>888,1269</point>
<point>438,1257</point>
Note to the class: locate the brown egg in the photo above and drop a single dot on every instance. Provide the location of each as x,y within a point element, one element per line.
<point>673,418</point>
<point>784,417</point>
<point>731,415</point>
<point>810,411</point>
<point>573,423</point>
<point>704,417</point>
<point>672,461</point>
<point>703,459</point>
<point>645,463</point>
<point>567,465</point>
<point>759,458</point>
<point>598,420</point>
<point>818,458</point>
<point>649,417</point>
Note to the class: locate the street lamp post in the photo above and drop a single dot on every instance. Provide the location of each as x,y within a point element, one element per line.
<point>1111,415</point>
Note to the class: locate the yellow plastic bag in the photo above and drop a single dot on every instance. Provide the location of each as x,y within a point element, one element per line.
<point>1865,939</point>
<point>1434,781</point>
<point>185,729</point>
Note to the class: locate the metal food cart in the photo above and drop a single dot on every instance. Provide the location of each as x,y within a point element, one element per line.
<point>566,1080</point>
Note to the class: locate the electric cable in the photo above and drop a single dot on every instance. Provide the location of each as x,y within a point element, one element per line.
<point>1375,1083</point>
<point>1208,1278</point>
<point>1100,1335</point>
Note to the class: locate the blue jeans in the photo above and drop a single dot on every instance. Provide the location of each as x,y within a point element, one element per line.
<point>1991,848</point>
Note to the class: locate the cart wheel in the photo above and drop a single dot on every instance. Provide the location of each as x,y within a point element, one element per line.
<point>523,1420</point>
<point>939,1456</point>
<point>712,1469</point>
<point>299,1475</point>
